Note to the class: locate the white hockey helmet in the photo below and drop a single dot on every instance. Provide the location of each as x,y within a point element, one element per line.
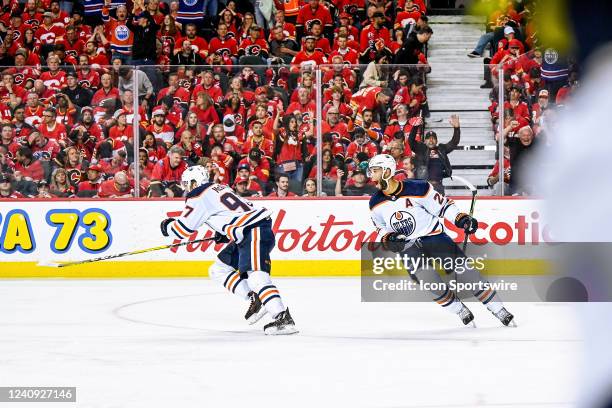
<point>384,161</point>
<point>193,177</point>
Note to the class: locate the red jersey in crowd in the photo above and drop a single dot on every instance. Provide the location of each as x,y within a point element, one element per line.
<point>48,35</point>
<point>54,81</point>
<point>214,92</point>
<point>258,48</point>
<point>164,133</point>
<point>304,59</point>
<point>34,170</point>
<point>225,47</point>
<point>33,116</point>
<point>265,145</point>
<point>108,189</point>
<point>57,131</point>
<point>164,172</point>
<point>261,170</point>
<point>47,152</point>
<point>307,16</point>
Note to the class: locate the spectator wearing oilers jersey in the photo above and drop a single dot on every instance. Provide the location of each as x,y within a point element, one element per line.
<point>310,13</point>
<point>166,177</point>
<point>121,37</point>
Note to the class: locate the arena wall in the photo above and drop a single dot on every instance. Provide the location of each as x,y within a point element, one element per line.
<point>315,237</point>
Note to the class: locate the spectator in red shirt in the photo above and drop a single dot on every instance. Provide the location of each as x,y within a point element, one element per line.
<point>166,177</point>
<point>117,187</point>
<point>29,168</point>
<point>204,108</point>
<point>282,187</point>
<point>308,14</point>
<point>258,140</point>
<point>244,171</point>
<point>51,129</point>
<point>374,38</point>
<point>259,166</point>
<point>43,148</point>
<point>308,57</point>
<point>361,143</point>
<point>90,187</point>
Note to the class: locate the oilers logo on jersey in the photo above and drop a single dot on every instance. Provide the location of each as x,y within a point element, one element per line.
<point>403,223</point>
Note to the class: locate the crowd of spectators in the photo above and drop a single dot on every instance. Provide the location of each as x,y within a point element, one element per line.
<point>226,85</point>
<point>536,79</point>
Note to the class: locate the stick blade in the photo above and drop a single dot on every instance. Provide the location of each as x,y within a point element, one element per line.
<point>48,264</point>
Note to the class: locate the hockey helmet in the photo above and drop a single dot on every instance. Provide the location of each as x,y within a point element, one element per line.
<point>384,161</point>
<point>193,177</point>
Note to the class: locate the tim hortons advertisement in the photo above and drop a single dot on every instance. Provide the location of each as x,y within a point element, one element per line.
<point>320,237</point>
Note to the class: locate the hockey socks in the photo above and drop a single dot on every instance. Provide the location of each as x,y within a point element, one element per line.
<point>229,278</point>
<point>261,283</point>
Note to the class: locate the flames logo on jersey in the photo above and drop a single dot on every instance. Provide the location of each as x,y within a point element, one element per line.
<point>224,52</point>
<point>403,222</point>
<point>74,176</point>
<point>310,23</point>
<point>19,78</point>
<point>252,49</point>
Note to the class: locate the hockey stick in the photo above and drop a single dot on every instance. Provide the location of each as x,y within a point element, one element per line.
<point>121,255</point>
<point>474,191</point>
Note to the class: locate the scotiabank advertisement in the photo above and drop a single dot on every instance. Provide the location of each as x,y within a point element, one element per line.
<point>314,237</point>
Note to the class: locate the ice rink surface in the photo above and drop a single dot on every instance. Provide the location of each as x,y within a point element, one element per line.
<point>184,343</point>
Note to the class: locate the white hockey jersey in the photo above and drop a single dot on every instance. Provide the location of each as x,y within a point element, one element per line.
<point>217,206</point>
<point>413,210</point>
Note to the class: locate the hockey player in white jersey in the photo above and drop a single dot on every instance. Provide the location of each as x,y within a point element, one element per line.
<point>411,211</point>
<point>244,265</point>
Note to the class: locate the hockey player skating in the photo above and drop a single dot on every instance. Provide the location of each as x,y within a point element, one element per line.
<point>410,211</point>
<point>243,266</point>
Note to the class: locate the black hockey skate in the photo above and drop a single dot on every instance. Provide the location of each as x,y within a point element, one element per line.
<point>256,310</point>
<point>466,315</point>
<point>283,324</point>
<point>505,317</point>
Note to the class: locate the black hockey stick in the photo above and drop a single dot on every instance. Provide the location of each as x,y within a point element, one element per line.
<point>121,255</point>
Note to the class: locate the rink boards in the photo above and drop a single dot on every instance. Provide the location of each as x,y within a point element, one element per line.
<point>314,237</point>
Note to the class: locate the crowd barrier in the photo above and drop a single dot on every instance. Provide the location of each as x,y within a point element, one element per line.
<point>314,237</point>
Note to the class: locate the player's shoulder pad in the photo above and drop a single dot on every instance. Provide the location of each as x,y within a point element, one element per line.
<point>414,188</point>
<point>198,190</point>
<point>377,198</point>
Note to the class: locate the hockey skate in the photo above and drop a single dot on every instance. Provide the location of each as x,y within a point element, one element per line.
<point>466,315</point>
<point>505,317</point>
<point>283,324</point>
<point>256,310</point>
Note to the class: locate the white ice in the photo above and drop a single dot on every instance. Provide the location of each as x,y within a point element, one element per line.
<point>184,343</point>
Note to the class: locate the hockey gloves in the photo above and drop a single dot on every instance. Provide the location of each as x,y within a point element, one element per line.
<point>164,226</point>
<point>394,242</point>
<point>221,238</point>
<point>467,223</point>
